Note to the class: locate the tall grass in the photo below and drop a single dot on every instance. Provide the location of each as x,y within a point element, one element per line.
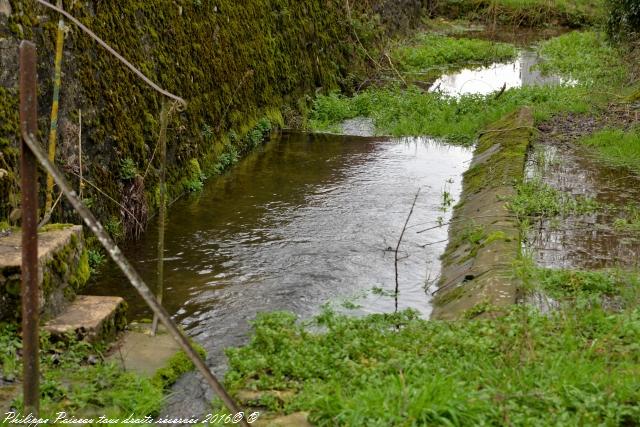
<point>584,56</point>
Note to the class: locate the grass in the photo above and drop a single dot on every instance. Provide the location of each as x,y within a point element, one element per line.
<point>75,379</point>
<point>617,147</point>
<point>587,287</point>
<point>398,111</point>
<point>537,199</point>
<point>574,13</point>
<point>430,51</point>
<point>587,57</point>
<point>578,367</point>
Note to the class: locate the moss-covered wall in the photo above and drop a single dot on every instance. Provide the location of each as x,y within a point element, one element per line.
<point>234,62</point>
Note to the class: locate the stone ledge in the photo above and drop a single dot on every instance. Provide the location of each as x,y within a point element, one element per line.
<point>63,269</point>
<point>484,239</point>
<point>92,318</point>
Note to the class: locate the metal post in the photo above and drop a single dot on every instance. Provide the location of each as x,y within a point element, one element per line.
<point>134,278</point>
<point>29,190</point>
<point>164,119</point>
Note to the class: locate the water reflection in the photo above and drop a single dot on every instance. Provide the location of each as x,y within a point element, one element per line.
<point>307,219</point>
<point>485,80</point>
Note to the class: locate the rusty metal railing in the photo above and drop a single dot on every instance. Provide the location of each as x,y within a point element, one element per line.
<point>32,153</point>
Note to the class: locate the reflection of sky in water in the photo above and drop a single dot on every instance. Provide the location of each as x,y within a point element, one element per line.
<point>492,78</point>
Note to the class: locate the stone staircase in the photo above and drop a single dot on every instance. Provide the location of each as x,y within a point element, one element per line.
<point>63,270</point>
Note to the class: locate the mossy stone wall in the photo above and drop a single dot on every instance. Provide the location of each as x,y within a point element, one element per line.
<point>63,271</point>
<point>234,62</point>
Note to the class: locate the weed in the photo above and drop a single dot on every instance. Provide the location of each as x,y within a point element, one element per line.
<point>400,112</point>
<point>96,259</point>
<point>114,227</point>
<point>433,51</point>
<point>617,147</point>
<point>73,382</point>
<point>537,199</point>
<point>128,169</point>
<point>207,132</point>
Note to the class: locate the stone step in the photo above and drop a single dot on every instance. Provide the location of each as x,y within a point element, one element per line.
<point>140,352</point>
<point>91,318</point>
<point>63,270</point>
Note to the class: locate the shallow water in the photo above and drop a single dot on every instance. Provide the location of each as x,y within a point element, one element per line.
<point>305,220</point>
<point>584,241</point>
<point>520,72</point>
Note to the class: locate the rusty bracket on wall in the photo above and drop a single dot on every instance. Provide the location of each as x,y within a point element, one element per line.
<point>31,152</point>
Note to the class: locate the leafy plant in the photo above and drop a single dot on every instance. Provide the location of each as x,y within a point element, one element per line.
<point>128,169</point>
<point>96,259</point>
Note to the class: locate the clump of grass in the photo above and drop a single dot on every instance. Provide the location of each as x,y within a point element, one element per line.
<point>587,57</point>
<point>436,51</point>
<point>629,219</point>
<point>537,199</point>
<point>397,369</point>
<point>617,147</point>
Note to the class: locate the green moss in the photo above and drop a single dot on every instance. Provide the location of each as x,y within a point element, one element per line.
<point>177,366</point>
<point>56,227</point>
<point>449,295</point>
<point>194,180</point>
<point>82,272</point>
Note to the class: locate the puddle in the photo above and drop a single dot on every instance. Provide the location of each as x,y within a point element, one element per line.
<point>492,78</point>
<point>583,241</point>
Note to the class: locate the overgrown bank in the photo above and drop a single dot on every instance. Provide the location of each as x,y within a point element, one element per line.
<point>235,64</point>
<point>572,364</point>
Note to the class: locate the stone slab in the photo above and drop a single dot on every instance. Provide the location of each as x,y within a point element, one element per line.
<point>477,278</point>
<point>89,317</point>
<point>140,352</point>
<point>48,243</point>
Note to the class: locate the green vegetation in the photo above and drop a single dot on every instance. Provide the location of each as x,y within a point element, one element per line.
<point>588,287</point>
<point>623,22</point>
<point>194,179</point>
<point>128,169</point>
<point>573,13</point>
<point>178,365</point>
<point>617,147</point>
<point>77,380</point>
<point>577,367</point>
<point>587,57</point>
<point>434,51</point>
<point>399,112</point>
<point>537,199</point>
<point>96,259</point>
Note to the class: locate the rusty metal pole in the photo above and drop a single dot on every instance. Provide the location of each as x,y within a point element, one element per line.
<point>29,190</point>
<point>133,276</point>
<point>162,158</point>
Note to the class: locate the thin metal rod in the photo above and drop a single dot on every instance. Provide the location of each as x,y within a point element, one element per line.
<point>113,52</point>
<point>134,278</point>
<point>29,191</point>
<point>164,120</point>
<point>53,130</point>
<point>81,183</point>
